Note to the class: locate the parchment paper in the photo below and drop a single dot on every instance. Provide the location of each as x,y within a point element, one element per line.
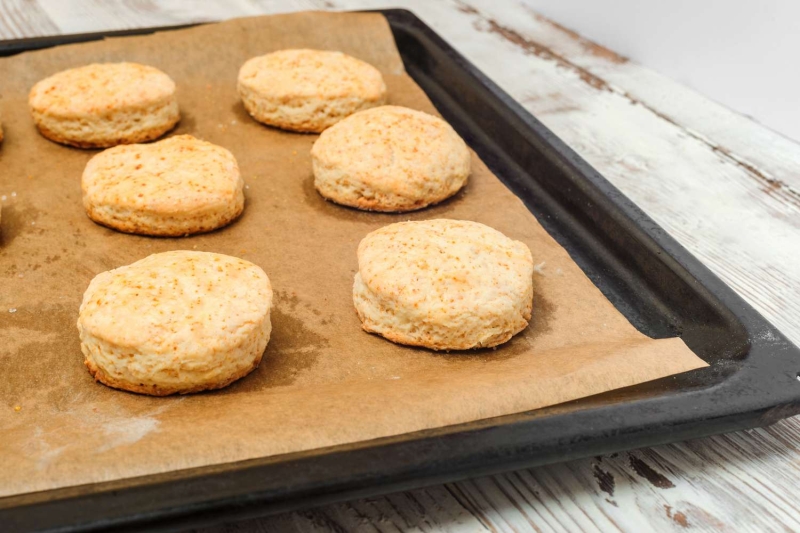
<point>323,381</point>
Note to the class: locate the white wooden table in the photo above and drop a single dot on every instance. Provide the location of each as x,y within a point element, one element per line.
<point>727,188</point>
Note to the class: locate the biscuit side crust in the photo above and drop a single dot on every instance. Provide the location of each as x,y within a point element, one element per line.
<point>249,353</point>
<point>123,126</point>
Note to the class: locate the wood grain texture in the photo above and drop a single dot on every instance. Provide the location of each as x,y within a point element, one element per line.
<point>22,18</point>
<point>727,188</point>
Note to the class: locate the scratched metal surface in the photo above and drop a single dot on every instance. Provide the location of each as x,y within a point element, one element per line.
<point>664,146</point>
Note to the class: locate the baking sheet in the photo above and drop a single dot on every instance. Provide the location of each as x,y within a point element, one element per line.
<point>323,381</point>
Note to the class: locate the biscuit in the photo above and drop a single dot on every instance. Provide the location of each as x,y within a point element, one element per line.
<point>308,90</point>
<point>176,322</point>
<point>390,159</point>
<point>105,104</point>
<point>443,284</point>
<point>177,186</point>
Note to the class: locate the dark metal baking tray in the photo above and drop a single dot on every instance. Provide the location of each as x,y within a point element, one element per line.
<point>752,379</point>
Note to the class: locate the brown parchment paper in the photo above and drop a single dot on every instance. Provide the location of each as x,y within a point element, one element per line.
<point>323,381</point>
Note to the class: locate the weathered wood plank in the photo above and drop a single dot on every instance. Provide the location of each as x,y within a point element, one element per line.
<point>52,17</point>
<point>744,140</point>
<point>21,18</point>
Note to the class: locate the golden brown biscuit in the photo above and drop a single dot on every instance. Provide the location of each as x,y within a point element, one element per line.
<point>176,322</point>
<point>177,186</point>
<point>390,159</point>
<point>308,90</point>
<point>105,104</point>
<point>443,284</point>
